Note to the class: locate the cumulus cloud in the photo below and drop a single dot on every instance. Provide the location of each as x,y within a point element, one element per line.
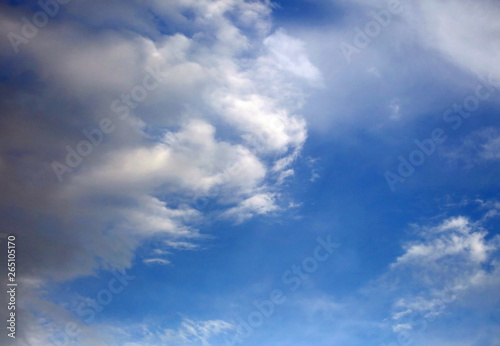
<point>224,110</point>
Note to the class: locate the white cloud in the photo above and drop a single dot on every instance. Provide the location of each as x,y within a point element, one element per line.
<point>289,55</point>
<point>181,245</point>
<point>185,161</point>
<point>479,148</point>
<point>224,122</point>
<point>443,271</point>
<point>463,31</point>
<point>159,261</point>
<point>454,237</point>
<point>285,174</point>
<point>195,332</point>
<point>259,204</point>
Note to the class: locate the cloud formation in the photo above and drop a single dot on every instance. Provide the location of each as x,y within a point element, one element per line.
<point>201,98</point>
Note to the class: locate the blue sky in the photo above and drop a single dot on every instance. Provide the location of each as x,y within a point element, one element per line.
<point>250,172</point>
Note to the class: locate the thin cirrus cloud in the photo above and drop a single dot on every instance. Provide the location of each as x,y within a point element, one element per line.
<point>452,270</point>
<point>446,268</point>
<point>440,46</point>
